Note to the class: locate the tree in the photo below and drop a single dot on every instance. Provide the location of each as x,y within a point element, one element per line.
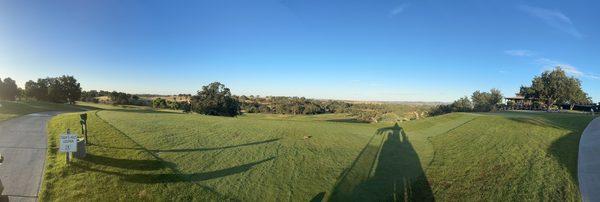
<point>186,107</point>
<point>159,103</point>
<point>8,89</point>
<point>480,101</point>
<point>495,99</point>
<point>70,88</point>
<point>56,91</point>
<point>554,87</point>
<point>30,88</point>
<point>528,92</point>
<point>485,102</point>
<point>462,105</point>
<point>312,108</point>
<point>41,89</point>
<point>215,99</point>
<point>440,109</point>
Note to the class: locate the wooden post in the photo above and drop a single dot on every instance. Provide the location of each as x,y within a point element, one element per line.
<point>68,154</point>
<point>83,123</point>
<point>85,132</point>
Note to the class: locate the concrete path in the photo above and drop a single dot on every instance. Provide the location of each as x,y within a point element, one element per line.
<point>23,145</point>
<point>588,167</point>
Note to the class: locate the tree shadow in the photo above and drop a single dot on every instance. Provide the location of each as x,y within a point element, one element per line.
<point>534,121</point>
<point>571,122</point>
<point>318,198</point>
<point>395,172</point>
<point>127,163</point>
<point>192,149</point>
<point>216,148</point>
<point>348,120</point>
<point>566,150</point>
<point>142,111</point>
<point>176,177</point>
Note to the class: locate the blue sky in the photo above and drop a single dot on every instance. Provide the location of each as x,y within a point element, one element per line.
<point>361,50</point>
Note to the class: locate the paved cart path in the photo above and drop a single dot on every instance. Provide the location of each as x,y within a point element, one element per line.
<point>588,168</point>
<point>23,144</point>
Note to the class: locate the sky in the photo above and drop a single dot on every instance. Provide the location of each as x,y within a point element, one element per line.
<point>355,50</point>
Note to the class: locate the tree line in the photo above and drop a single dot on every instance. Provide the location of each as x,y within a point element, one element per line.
<point>114,97</point>
<point>478,102</point>
<point>551,88</point>
<point>216,99</point>
<point>290,105</point>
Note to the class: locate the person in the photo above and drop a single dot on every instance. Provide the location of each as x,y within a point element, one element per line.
<point>592,109</point>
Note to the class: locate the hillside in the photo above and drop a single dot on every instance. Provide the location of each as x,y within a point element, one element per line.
<point>171,156</point>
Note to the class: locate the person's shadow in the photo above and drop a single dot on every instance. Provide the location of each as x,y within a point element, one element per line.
<point>390,172</point>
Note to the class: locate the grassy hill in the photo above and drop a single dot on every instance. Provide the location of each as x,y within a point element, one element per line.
<point>139,154</point>
<point>11,109</point>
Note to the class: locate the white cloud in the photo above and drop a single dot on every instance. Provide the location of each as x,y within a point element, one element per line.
<point>398,9</point>
<point>548,64</point>
<point>520,53</point>
<point>553,18</point>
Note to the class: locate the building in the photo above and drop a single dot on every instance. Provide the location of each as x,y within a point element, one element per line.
<point>520,102</point>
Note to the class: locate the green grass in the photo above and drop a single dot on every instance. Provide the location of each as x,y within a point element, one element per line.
<point>157,155</point>
<point>11,109</point>
<point>509,156</point>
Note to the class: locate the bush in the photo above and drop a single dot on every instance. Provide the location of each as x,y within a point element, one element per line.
<point>159,103</point>
<point>215,99</point>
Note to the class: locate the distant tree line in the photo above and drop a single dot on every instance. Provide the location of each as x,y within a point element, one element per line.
<point>479,102</point>
<point>290,105</point>
<point>63,89</point>
<point>114,97</point>
<point>8,89</point>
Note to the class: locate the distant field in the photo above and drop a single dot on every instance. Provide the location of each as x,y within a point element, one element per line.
<point>160,155</point>
<point>18,108</point>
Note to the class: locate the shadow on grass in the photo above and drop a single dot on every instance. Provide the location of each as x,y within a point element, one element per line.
<point>349,120</point>
<point>144,111</point>
<point>127,163</point>
<point>318,198</point>
<point>217,148</point>
<point>389,172</point>
<point>566,149</point>
<point>87,107</point>
<point>573,122</point>
<point>192,149</point>
<point>175,177</point>
<point>534,121</point>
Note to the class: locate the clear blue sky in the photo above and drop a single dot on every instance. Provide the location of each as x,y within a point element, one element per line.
<point>362,50</point>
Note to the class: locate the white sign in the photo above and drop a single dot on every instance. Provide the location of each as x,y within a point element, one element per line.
<point>68,143</point>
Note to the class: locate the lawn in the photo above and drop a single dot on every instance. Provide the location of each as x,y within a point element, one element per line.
<point>139,154</point>
<point>11,109</point>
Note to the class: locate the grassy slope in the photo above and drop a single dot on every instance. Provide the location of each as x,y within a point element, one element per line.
<point>115,169</point>
<point>13,109</point>
<point>287,166</point>
<point>509,156</point>
<point>140,154</point>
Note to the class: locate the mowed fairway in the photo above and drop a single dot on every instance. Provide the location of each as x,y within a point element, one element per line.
<point>150,155</point>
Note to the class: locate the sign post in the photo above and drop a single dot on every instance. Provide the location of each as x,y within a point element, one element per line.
<point>83,123</point>
<point>68,144</point>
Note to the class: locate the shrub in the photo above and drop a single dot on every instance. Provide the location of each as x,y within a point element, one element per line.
<point>215,99</point>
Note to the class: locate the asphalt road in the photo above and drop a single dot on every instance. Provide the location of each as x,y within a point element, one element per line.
<point>23,144</point>
<point>588,166</point>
